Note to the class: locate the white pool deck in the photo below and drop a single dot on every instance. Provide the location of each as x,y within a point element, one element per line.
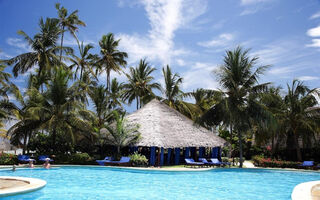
<point>12,185</point>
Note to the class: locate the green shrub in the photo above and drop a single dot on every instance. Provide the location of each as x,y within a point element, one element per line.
<point>138,159</point>
<point>8,159</point>
<point>80,158</point>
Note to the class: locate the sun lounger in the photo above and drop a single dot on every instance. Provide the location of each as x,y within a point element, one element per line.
<point>102,162</point>
<point>24,158</point>
<point>306,164</point>
<point>44,158</point>
<point>217,162</point>
<point>191,162</point>
<point>203,160</point>
<point>124,161</point>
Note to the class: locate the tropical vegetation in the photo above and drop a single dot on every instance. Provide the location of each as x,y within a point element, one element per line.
<point>73,106</point>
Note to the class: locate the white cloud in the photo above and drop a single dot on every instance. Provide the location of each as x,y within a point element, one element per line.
<point>315,43</point>
<point>4,55</point>
<point>249,11</point>
<point>308,78</point>
<point>200,76</point>
<point>221,41</point>
<point>251,2</point>
<point>314,32</point>
<point>180,62</point>
<point>19,43</point>
<point>280,70</point>
<point>165,17</point>
<point>315,15</point>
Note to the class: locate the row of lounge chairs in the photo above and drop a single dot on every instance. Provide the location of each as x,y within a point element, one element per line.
<point>204,162</point>
<point>124,161</point>
<point>309,164</point>
<point>26,158</point>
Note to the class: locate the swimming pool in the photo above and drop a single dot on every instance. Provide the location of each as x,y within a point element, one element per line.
<point>111,183</point>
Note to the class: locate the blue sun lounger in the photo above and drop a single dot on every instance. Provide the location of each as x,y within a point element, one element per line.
<point>25,158</point>
<point>191,162</point>
<point>44,158</point>
<point>306,164</point>
<point>206,162</point>
<point>123,161</point>
<point>102,162</point>
<point>217,162</point>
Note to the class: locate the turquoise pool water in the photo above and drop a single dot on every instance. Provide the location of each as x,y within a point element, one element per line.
<point>107,183</point>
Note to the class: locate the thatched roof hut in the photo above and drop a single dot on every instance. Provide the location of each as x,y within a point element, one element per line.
<point>162,126</point>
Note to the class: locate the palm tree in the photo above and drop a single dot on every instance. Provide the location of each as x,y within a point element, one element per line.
<point>111,58</point>
<point>84,62</point>
<point>115,94</point>
<point>43,47</point>
<point>301,114</point>
<point>70,23</point>
<point>174,96</point>
<point>238,104</point>
<point>140,84</point>
<point>120,134</point>
<point>58,107</point>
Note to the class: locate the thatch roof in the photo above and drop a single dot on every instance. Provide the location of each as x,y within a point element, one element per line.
<point>162,126</point>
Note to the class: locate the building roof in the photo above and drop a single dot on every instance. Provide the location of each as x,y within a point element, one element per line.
<point>162,126</point>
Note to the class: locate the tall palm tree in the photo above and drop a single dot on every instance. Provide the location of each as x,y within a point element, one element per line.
<point>58,107</point>
<point>301,114</point>
<point>140,84</point>
<point>70,23</point>
<point>84,62</point>
<point>111,58</point>
<point>115,94</point>
<point>174,96</point>
<point>43,47</point>
<point>238,106</point>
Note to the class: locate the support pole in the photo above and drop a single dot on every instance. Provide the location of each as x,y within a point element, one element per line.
<point>187,152</point>
<point>177,156</point>
<point>152,156</point>
<point>201,151</point>
<point>161,156</point>
<point>169,156</point>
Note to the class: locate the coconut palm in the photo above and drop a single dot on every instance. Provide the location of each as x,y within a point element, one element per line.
<point>83,63</point>
<point>140,86</point>
<point>115,94</point>
<point>58,107</point>
<point>70,23</point>
<point>121,134</point>
<point>174,96</point>
<point>238,104</point>
<point>43,46</point>
<point>111,58</point>
<point>301,115</point>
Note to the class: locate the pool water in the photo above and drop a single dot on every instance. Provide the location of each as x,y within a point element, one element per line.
<point>110,183</point>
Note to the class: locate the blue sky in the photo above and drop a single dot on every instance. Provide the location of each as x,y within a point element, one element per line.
<point>189,35</point>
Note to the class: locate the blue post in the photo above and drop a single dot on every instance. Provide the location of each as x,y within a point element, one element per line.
<point>193,152</point>
<point>187,153</point>
<point>135,149</point>
<point>161,156</point>
<point>152,156</point>
<point>219,153</point>
<point>177,156</point>
<point>215,152</point>
<point>169,156</point>
<point>201,151</point>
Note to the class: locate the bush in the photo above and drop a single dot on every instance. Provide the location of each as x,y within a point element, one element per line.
<point>8,159</point>
<point>138,160</point>
<point>268,162</point>
<point>80,158</point>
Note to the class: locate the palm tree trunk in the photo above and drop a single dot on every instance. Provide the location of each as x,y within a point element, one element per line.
<point>230,149</point>
<point>240,148</point>
<point>81,73</point>
<point>296,141</point>
<point>108,80</point>
<point>137,99</point>
<point>24,144</point>
<point>54,136</point>
<point>61,43</point>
